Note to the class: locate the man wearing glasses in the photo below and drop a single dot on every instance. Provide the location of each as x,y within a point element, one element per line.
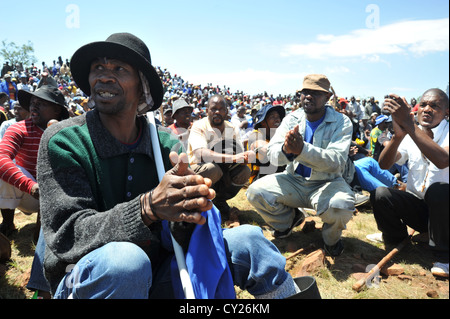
<point>313,142</point>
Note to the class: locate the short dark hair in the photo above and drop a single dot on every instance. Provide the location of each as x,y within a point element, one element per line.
<point>441,94</point>
<point>220,98</point>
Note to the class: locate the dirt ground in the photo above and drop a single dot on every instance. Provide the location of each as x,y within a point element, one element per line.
<point>335,277</point>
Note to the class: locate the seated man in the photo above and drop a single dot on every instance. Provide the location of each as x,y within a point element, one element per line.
<point>18,154</point>
<point>313,142</point>
<point>424,206</point>
<point>104,209</point>
<point>268,119</point>
<point>215,151</point>
<point>182,116</point>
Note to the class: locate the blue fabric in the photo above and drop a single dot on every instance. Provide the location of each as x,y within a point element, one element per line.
<point>371,176</point>
<point>206,260</point>
<point>311,127</point>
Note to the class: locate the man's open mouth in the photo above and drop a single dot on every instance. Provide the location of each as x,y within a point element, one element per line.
<point>106,95</point>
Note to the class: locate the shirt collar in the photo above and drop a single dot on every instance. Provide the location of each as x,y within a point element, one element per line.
<point>107,145</point>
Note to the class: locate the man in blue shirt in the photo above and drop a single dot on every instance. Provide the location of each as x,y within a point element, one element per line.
<point>313,142</point>
<point>9,87</point>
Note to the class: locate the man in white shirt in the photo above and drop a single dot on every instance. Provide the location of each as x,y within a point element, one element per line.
<point>355,108</point>
<point>425,204</point>
<point>241,122</point>
<point>23,85</point>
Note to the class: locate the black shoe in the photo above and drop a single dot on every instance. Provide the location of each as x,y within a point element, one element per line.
<point>336,249</point>
<point>298,219</point>
<point>7,229</point>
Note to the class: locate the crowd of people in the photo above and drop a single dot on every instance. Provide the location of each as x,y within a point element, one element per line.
<point>310,149</point>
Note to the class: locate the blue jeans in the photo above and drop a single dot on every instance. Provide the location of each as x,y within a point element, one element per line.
<point>123,270</point>
<point>371,176</point>
<point>37,279</point>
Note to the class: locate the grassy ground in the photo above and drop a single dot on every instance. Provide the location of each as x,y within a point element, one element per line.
<point>334,279</point>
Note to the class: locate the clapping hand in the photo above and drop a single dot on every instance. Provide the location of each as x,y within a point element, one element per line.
<point>293,143</point>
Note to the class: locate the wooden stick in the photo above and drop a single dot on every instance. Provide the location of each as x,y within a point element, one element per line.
<point>359,285</point>
<point>298,252</point>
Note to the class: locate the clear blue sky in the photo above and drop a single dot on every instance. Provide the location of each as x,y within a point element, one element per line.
<point>366,48</point>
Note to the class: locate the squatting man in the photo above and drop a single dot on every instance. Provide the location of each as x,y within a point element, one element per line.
<point>313,142</point>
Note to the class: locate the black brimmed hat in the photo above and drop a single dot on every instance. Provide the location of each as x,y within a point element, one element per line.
<point>48,93</point>
<point>262,113</point>
<point>121,46</point>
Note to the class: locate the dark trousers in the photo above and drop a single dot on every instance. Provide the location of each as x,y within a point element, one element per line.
<point>227,179</point>
<point>394,210</point>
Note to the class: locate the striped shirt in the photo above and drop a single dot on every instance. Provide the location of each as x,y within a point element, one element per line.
<point>20,143</point>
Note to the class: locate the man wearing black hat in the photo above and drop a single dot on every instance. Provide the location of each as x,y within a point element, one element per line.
<point>105,212</point>
<point>18,153</point>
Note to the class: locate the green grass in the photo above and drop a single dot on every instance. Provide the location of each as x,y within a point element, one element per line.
<point>334,279</point>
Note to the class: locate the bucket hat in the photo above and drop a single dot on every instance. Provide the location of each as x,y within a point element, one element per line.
<point>317,82</point>
<point>48,93</point>
<point>381,118</point>
<point>262,113</point>
<point>125,47</point>
<point>179,104</point>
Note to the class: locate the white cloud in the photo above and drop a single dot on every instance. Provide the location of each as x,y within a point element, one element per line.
<point>417,37</point>
<point>252,81</point>
<point>336,69</point>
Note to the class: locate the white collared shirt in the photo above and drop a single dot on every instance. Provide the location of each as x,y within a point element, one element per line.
<point>422,172</point>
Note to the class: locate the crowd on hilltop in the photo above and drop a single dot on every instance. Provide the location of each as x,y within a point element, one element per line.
<point>369,131</point>
<point>14,78</point>
<point>363,112</point>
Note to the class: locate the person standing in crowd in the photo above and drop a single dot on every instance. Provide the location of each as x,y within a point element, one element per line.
<point>9,87</point>
<point>215,151</point>
<point>425,205</point>
<point>110,223</point>
<point>23,85</point>
<point>18,154</point>
<point>372,107</point>
<point>355,108</point>
<point>313,142</point>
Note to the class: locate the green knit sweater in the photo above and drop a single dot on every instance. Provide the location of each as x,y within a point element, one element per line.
<point>90,185</point>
